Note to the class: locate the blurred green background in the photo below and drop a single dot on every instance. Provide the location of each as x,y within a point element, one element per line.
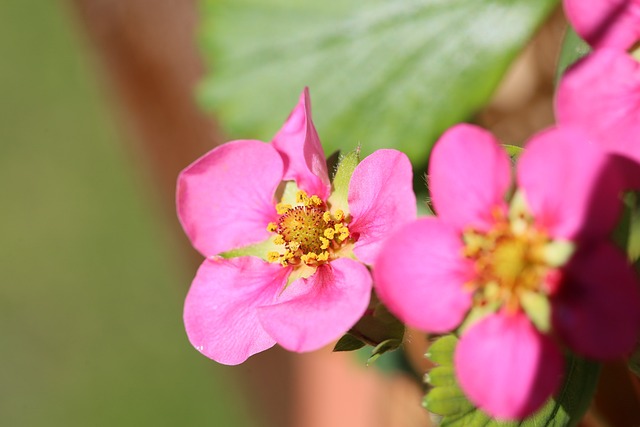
<point>91,288</point>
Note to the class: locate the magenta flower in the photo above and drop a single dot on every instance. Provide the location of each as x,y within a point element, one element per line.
<point>517,278</point>
<point>601,94</point>
<point>280,245</point>
<point>605,23</point>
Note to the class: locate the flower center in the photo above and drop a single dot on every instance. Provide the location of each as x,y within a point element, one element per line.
<point>309,233</point>
<point>509,261</point>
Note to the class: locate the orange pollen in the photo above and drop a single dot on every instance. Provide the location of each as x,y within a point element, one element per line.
<point>506,263</point>
<point>309,232</point>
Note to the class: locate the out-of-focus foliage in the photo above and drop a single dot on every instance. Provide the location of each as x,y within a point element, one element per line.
<point>573,48</point>
<point>382,73</point>
<point>446,398</point>
<point>90,288</point>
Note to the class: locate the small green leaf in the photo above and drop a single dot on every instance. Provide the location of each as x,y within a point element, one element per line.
<point>382,348</point>
<point>348,343</point>
<point>564,409</point>
<point>341,180</point>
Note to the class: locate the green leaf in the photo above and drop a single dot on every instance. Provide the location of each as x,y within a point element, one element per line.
<point>382,73</point>
<point>447,399</point>
<point>341,180</point>
<point>573,48</point>
<point>348,343</point>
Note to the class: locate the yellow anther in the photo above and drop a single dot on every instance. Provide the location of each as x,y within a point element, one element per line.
<point>302,197</point>
<point>293,246</point>
<point>343,234</point>
<point>272,227</point>
<point>338,227</point>
<point>282,208</point>
<point>315,200</point>
<point>279,240</point>
<point>326,217</point>
<point>339,214</point>
<point>324,256</point>
<point>329,233</point>
<point>309,258</point>
<point>273,256</point>
<point>325,243</point>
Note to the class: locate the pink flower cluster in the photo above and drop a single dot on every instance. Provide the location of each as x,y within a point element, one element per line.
<point>519,264</point>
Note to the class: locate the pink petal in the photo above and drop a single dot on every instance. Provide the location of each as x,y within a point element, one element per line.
<point>597,310</point>
<point>381,198</point>
<point>320,309</point>
<point>506,367</point>
<point>225,198</point>
<point>220,311</point>
<point>569,184</point>
<point>298,143</point>
<point>419,275</point>
<point>602,23</point>
<point>604,103</point>
<point>469,174</point>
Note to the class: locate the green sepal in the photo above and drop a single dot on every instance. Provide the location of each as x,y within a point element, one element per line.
<point>634,361</point>
<point>377,327</point>
<point>513,151</point>
<point>448,400</point>
<point>538,309</point>
<point>440,376</point>
<point>340,192</point>
<point>441,351</point>
<point>558,252</point>
<point>573,48</point>
<point>348,343</point>
<point>259,250</point>
<point>288,193</point>
<point>382,348</point>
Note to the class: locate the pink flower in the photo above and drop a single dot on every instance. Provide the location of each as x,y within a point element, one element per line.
<point>601,94</point>
<point>280,245</point>
<point>515,276</point>
<point>605,23</point>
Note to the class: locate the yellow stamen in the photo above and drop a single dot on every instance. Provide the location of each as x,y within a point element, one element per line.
<point>272,227</point>
<point>302,197</point>
<point>329,233</point>
<point>325,243</point>
<point>339,214</point>
<point>326,216</point>
<point>315,200</point>
<point>293,246</point>
<point>273,256</point>
<point>282,208</point>
<point>279,240</point>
